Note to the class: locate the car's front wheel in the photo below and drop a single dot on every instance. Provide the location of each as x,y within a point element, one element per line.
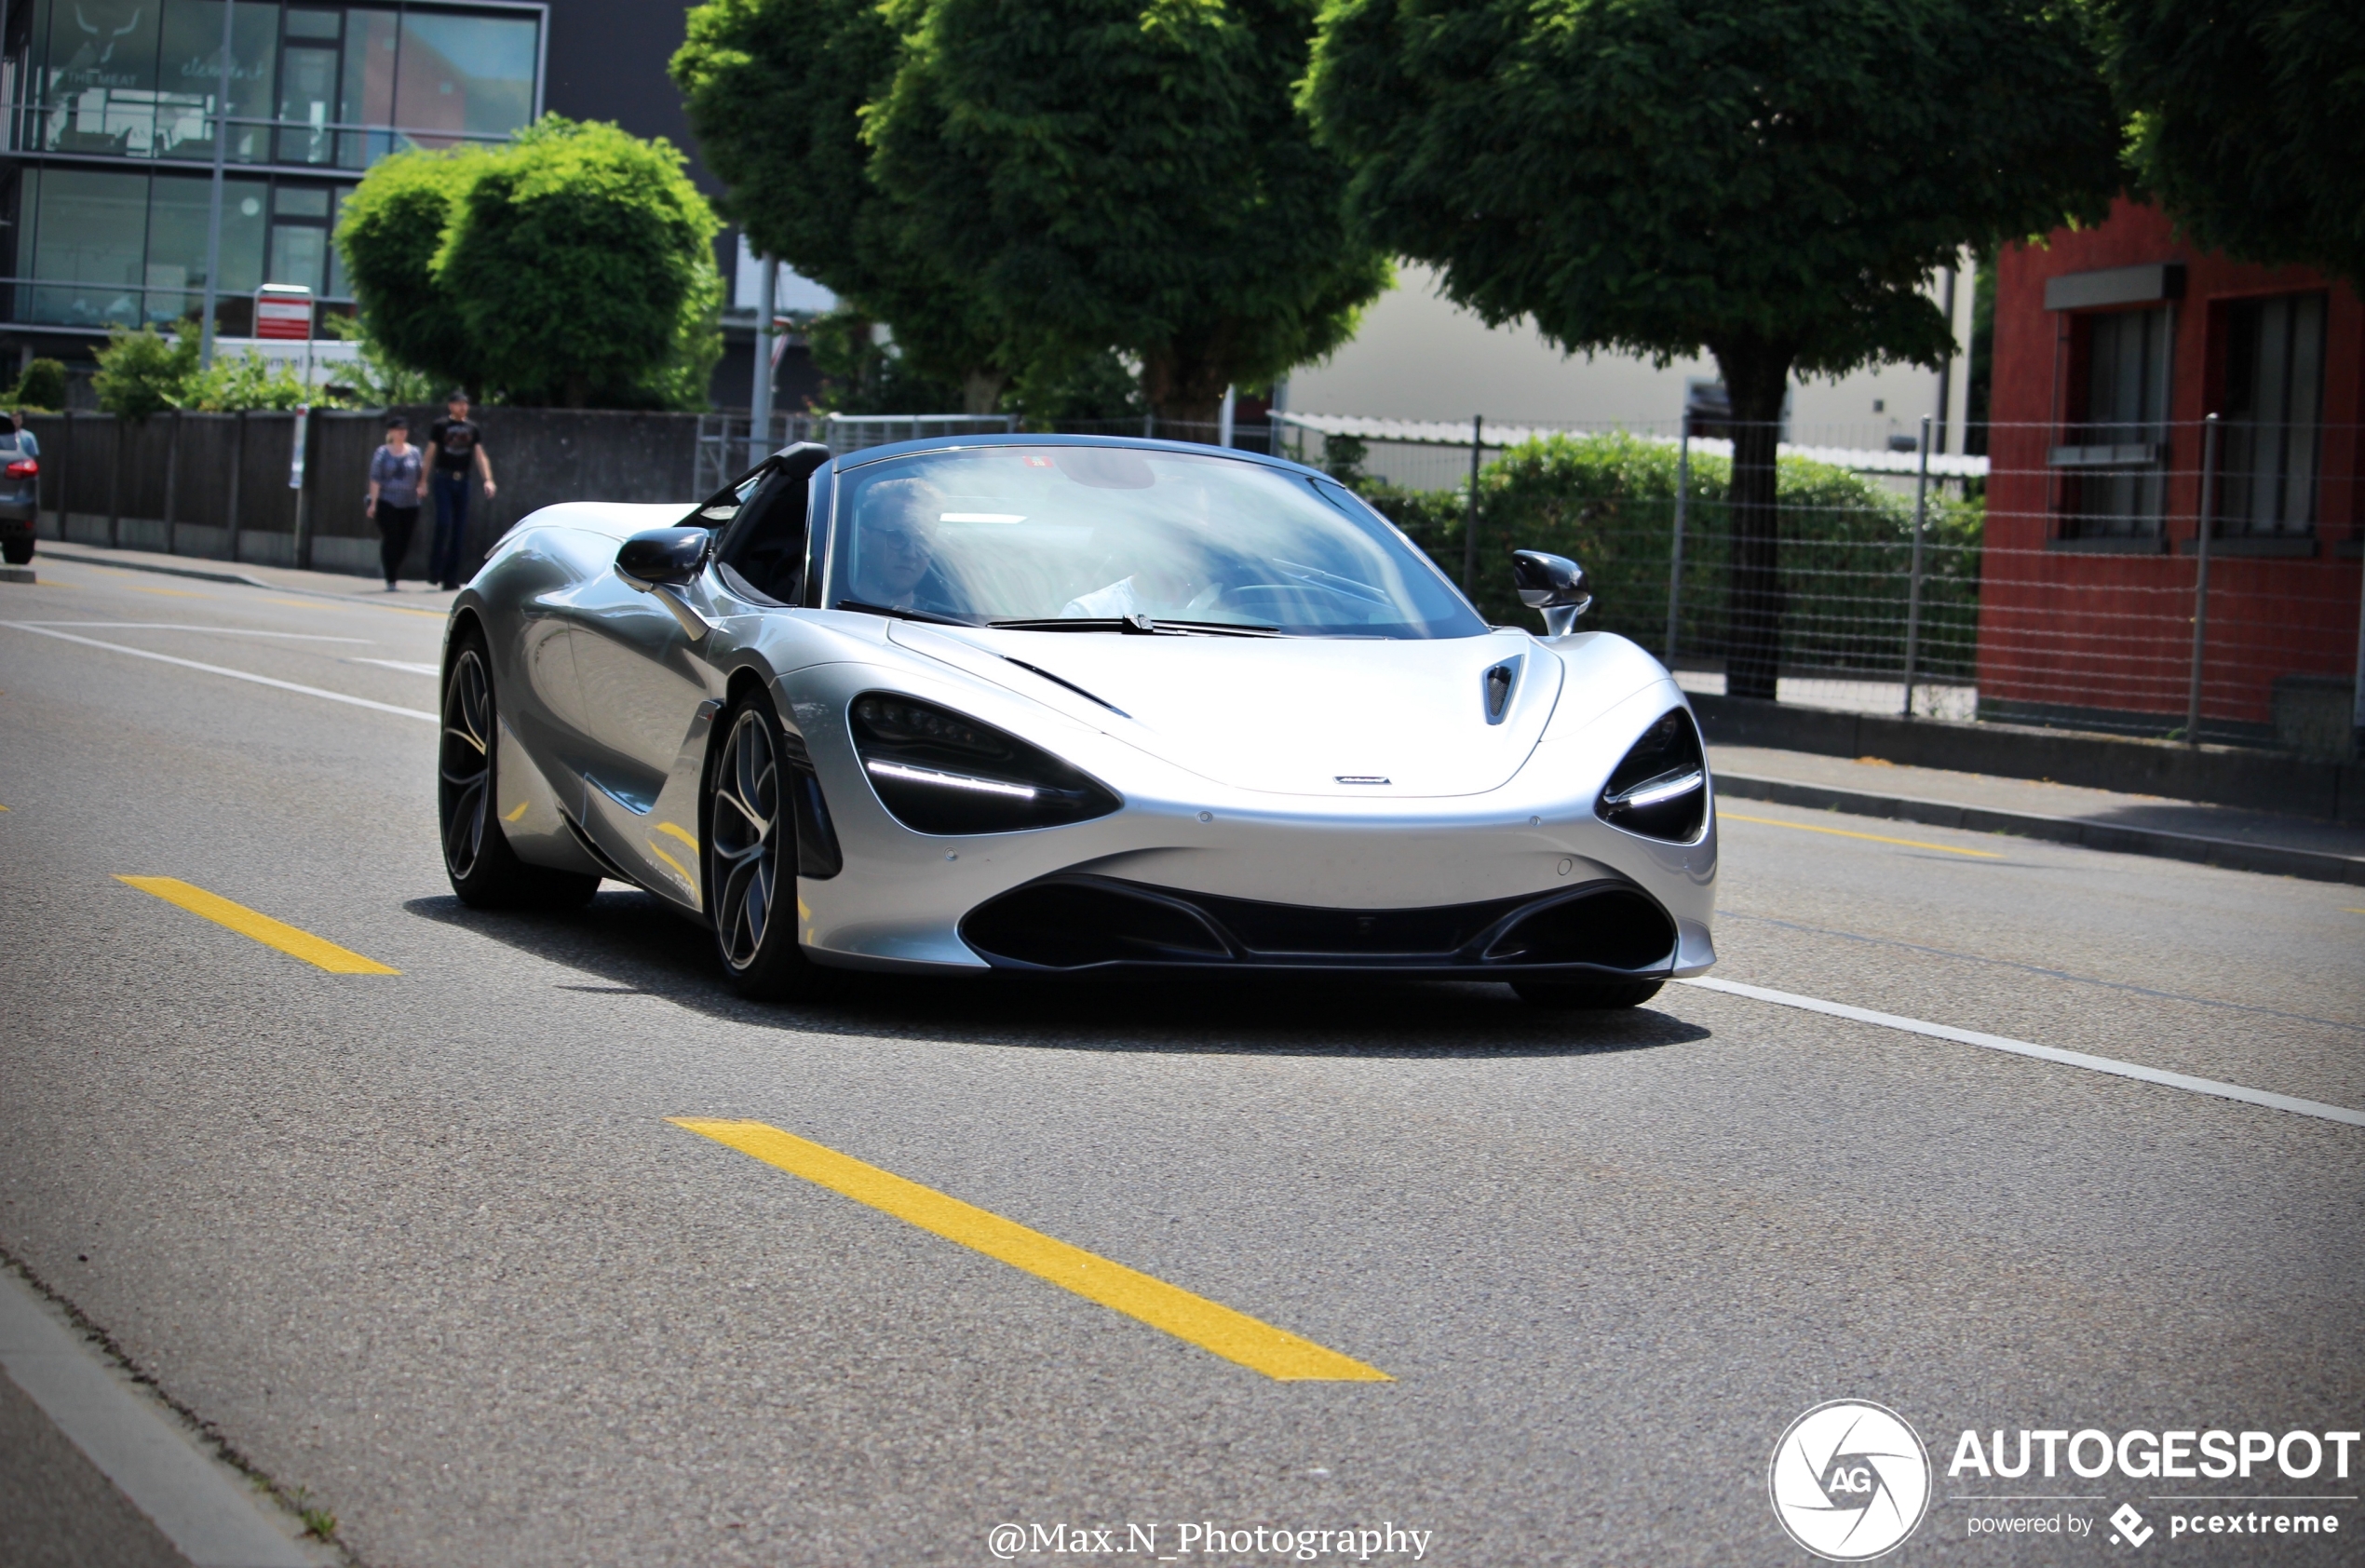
<point>1594,995</point>
<point>751,859</point>
<point>16,553</point>
<point>484,871</point>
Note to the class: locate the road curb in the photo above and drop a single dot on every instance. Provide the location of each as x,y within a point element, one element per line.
<point>201,574</point>
<point>2314,865</point>
<point>200,1503</point>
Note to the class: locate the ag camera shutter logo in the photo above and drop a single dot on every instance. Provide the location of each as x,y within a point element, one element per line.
<point>1849,1480</point>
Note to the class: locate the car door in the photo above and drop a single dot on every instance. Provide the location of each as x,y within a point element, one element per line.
<point>645,695</point>
<point>649,693</point>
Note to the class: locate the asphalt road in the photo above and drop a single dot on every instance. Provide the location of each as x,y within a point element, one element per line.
<point>427,1245</point>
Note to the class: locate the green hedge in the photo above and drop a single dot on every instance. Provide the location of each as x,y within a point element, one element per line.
<point>1608,501</point>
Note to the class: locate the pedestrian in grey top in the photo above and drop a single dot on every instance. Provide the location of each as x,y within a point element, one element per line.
<point>397,471</point>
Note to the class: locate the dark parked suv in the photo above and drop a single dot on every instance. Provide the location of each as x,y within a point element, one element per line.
<point>19,500</point>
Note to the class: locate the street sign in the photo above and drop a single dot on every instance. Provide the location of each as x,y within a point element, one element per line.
<point>281,312</point>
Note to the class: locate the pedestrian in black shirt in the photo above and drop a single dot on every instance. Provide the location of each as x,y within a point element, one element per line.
<point>457,443</point>
<point>396,479</point>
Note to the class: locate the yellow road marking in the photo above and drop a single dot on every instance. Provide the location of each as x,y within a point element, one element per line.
<point>2343,912</point>
<point>1232,1335</point>
<point>519,814</point>
<point>672,830</point>
<point>1842,832</point>
<point>297,943</point>
<point>169,593</point>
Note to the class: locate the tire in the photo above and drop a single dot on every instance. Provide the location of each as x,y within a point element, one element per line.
<point>1589,995</point>
<point>751,861</point>
<point>484,871</point>
<point>16,553</point>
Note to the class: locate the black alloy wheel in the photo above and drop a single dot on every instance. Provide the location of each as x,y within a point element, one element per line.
<point>751,861</point>
<point>1589,995</point>
<point>484,871</point>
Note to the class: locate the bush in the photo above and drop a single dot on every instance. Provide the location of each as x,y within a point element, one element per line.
<point>43,386</point>
<point>250,382</point>
<point>573,265</point>
<point>145,372</point>
<point>1608,501</point>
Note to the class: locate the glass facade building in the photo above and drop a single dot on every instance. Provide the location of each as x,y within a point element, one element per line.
<point>114,105</point>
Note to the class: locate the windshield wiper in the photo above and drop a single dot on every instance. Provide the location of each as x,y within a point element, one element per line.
<point>1137,625</point>
<point>901,614</point>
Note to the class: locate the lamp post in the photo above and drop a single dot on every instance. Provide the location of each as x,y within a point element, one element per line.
<point>213,214</point>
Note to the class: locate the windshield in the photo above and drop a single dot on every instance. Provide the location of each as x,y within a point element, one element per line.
<point>1088,538</point>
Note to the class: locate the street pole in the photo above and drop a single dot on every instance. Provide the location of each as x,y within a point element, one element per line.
<point>1470,515</point>
<point>1913,585</point>
<point>1675,553</point>
<point>2200,582</point>
<point>1224,417</point>
<point>760,395</point>
<point>213,216</point>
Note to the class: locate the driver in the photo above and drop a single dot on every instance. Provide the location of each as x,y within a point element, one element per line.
<point>1161,577</point>
<point>895,549</point>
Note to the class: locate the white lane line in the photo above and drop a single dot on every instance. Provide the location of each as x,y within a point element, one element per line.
<point>232,675</point>
<point>2042,1053</point>
<point>174,625</point>
<point>407,666</point>
<point>192,1498</point>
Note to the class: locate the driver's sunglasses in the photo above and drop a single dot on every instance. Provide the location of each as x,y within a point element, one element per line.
<point>901,539</point>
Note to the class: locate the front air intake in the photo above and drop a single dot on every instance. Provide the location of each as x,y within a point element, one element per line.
<point>1660,790</point>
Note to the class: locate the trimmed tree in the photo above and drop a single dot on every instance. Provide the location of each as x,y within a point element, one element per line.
<point>775,90</point>
<point>580,261</point>
<point>2250,121</point>
<point>388,230</point>
<point>1770,181</point>
<point>1129,175</point>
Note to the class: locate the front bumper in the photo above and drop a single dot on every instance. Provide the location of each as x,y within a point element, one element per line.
<point>1440,886</point>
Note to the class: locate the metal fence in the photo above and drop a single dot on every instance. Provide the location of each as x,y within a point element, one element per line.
<point>2061,579</point>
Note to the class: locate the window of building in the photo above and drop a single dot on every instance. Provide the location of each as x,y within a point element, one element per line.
<point>2114,452</point>
<point>463,76</point>
<point>2274,385</point>
<point>138,78</point>
<point>116,248</point>
<point>92,239</point>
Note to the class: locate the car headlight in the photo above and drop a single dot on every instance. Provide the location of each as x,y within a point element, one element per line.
<point>1660,790</point>
<point>938,772</point>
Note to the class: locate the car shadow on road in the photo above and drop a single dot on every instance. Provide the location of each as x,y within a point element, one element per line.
<point>628,944</point>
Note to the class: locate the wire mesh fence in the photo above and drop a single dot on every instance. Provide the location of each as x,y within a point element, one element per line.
<point>2061,579</point>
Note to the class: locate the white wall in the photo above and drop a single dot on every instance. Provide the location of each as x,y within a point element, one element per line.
<point>795,291</point>
<point>1419,357</point>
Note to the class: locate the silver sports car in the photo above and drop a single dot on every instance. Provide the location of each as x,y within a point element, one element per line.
<point>1071,706</point>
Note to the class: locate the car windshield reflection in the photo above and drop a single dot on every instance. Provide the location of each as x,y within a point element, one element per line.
<point>1127,539</point>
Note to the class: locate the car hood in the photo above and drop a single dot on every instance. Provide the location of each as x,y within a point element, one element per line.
<point>1295,716</point>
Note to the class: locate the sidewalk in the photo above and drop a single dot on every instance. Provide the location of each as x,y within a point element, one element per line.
<point>2098,818</point>
<point>331,585</point>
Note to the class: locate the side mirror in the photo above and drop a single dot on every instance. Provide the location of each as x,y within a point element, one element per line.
<point>663,555</point>
<point>1553,584</point>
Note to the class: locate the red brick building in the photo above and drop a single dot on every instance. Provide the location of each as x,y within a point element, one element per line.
<point>2113,344</point>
